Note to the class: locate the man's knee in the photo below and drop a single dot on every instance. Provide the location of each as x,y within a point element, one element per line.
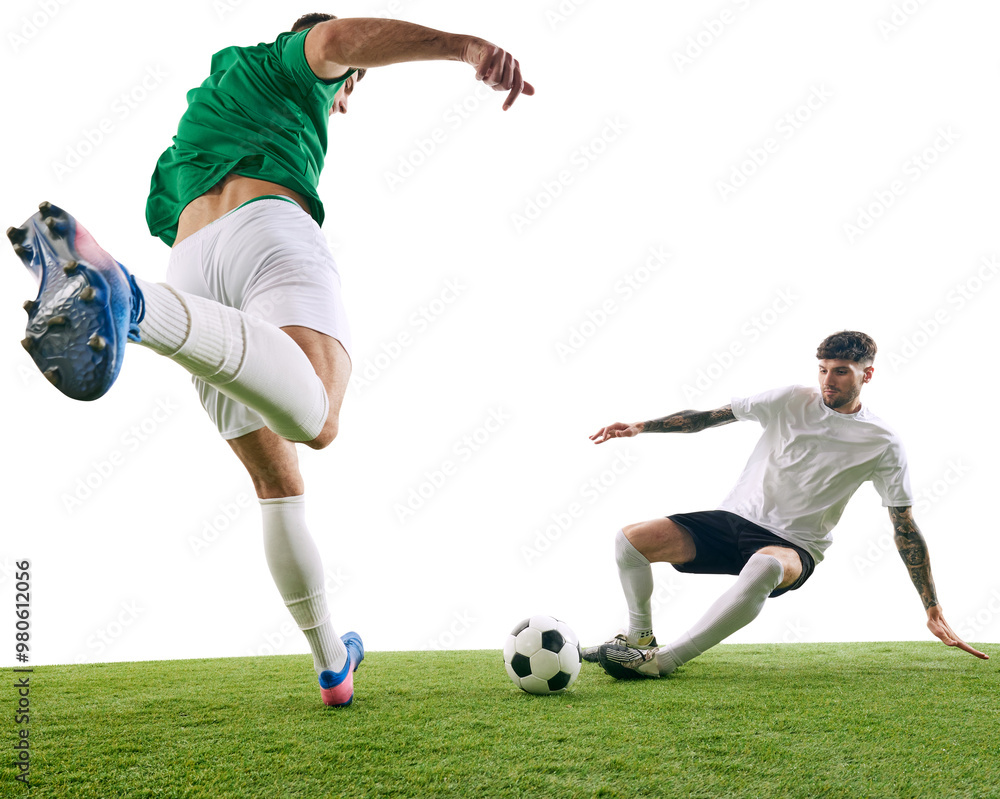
<point>790,561</point>
<point>329,432</point>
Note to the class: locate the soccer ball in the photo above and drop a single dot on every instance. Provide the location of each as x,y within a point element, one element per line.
<point>542,655</point>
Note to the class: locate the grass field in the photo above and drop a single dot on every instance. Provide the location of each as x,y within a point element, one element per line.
<point>830,720</point>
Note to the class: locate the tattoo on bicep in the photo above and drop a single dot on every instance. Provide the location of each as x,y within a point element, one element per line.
<point>913,550</point>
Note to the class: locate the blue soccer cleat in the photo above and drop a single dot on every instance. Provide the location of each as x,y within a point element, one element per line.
<point>337,689</point>
<point>87,306</point>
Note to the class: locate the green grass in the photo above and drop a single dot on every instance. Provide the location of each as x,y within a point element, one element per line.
<point>830,720</point>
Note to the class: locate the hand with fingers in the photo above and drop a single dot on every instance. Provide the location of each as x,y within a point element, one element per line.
<point>498,69</point>
<point>936,624</point>
<point>617,430</point>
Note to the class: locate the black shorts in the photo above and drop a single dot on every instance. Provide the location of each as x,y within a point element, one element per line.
<point>724,542</point>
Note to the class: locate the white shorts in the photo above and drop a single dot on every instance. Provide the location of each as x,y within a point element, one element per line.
<point>269,259</point>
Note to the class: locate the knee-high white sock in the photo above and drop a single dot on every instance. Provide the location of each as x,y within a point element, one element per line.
<point>249,360</point>
<point>736,608</point>
<point>637,582</point>
<point>297,570</point>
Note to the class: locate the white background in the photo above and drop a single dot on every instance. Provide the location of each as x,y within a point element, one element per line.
<point>538,215</point>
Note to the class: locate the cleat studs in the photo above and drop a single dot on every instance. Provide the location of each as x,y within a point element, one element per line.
<point>27,343</point>
<point>56,320</point>
<point>88,294</point>
<point>29,306</point>
<point>20,251</point>
<point>45,208</point>
<point>70,267</point>
<point>52,375</point>
<point>97,342</point>
<point>16,235</point>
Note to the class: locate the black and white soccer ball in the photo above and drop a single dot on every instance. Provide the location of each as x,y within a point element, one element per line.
<point>542,655</point>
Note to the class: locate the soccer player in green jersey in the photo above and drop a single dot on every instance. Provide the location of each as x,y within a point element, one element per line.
<point>251,306</point>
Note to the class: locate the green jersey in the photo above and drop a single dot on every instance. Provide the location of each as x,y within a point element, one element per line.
<point>262,113</point>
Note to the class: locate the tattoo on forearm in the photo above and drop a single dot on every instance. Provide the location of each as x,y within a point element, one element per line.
<point>690,421</point>
<point>913,550</point>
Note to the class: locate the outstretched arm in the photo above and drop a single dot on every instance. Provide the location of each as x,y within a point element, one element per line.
<point>681,422</point>
<point>334,46</point>
<point>913,550</point>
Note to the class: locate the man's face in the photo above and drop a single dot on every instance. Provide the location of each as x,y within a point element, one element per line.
<point>841,382</point>
<point>340,98</point>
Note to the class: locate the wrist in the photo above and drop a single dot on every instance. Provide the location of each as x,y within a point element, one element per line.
<point>468,49</point>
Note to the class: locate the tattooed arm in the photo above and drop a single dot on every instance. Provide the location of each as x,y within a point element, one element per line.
<point>913,550</point>
<point>682,422</point>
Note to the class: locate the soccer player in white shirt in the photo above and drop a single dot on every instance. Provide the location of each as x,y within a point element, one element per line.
<point>819,445</point>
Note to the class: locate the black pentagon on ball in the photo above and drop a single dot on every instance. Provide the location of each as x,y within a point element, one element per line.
<point>520,627</point>
<point>553,640</point>
<point>560,681</point>
<point>521,665</point>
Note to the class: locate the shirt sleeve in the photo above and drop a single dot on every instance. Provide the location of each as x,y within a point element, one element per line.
<point>762,407</point>
<point>291,51</point>
<point>891,477</point>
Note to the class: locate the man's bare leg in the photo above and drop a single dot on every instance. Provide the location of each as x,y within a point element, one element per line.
<point>292,556</point>
<point>662,540</point>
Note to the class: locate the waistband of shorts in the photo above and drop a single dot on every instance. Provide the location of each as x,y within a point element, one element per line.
<point>212,226</point>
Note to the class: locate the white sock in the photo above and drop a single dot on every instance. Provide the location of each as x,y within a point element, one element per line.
<point>249,360</point>
<point>297,570</point>
<point>637,582</point>
<point>735,609</point>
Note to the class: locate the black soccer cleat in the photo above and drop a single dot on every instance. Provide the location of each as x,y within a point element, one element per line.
<point>590,654</point>
<point>626,662</point>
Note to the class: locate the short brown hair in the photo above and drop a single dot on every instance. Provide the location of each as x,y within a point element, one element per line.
<point>848,345</point>
<point>306,21</point>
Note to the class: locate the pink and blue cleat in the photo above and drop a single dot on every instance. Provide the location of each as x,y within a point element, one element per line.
<point>87,306</point>
<point>337,688</point>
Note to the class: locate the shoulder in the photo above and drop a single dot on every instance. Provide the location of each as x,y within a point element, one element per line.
<point>867,416</point>
<point>767,403</point>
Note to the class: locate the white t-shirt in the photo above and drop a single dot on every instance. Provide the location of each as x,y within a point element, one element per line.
<point>809,462</point>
